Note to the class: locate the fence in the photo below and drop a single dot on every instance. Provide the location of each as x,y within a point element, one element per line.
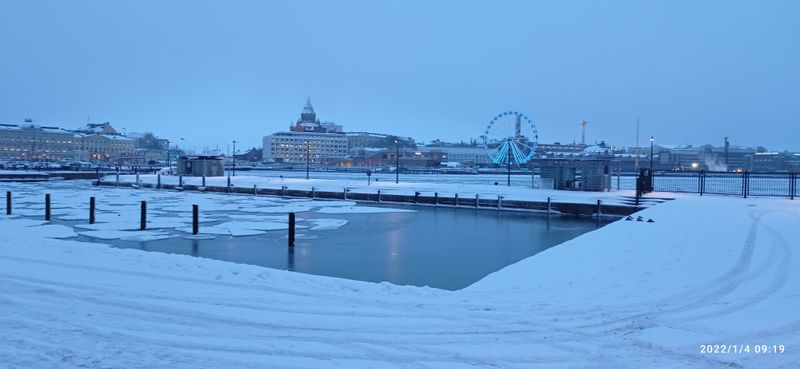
<point>744,184</point>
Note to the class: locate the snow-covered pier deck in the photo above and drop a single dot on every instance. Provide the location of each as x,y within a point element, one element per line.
<point>618,203</point>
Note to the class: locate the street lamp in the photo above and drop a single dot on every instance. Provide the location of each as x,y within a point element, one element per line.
<point>168,162</point>
<point>397,162</point>
<point>234,157</point>
<point>651,152</point>
<point>308,157</point>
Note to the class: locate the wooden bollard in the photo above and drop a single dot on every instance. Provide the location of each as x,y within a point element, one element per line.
<point>47,207</point>
<point>195,219</point>
<point>379,195</point>
<point>8,202</point>
<point>158,181</point>
<point>456,199</point>
<point>143,216</point>
<point>291,229</point>
<point>91,210</point>
<point>477,199</point>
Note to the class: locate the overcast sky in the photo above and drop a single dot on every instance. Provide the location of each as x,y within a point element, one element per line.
<point>209,72</point>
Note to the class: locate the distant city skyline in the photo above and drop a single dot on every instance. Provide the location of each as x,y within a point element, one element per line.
<point>692,72</point>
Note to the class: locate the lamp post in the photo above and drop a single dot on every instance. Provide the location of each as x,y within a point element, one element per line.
<point>168,158</point>
<point>652,140</point>
<point>397,161</point>
<point>234,157</point>
<point>308,157</point>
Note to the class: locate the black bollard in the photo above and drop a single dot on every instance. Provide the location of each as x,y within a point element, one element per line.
<point>195,216</point>
<point>255,190</point>
<point>180,181</point>
<point>379,195</point>
<point>283,191</point>
<point>91,210</point>
<point>313,192</point>
<point>548,206</point>
<point>291,229</point>
<point>143,216</point>
<point>456,199</point>
<point>158,181</point>
<point>204,181</point>
<point>598,212</point>
<point>47,207</point>
<point>436,198</point>
<point>8,202</point>
<point>477,198</point>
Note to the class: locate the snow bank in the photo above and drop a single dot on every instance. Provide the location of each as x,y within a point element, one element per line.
<point>629,295</point>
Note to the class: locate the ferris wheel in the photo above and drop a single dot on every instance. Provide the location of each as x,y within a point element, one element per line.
<point>510,137</point>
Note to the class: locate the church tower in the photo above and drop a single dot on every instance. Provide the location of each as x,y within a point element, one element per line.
<point>308,115</point>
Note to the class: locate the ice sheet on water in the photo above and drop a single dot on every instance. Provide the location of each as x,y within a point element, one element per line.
<point>288,208</point>
<point>127,235</point>
<point>260,226</point>
<point>360,210</point>
<point>322,224</point>
<point>258,217</point>
<point>236,232</point>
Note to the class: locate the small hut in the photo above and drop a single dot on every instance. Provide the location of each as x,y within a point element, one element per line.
<point>198,166</point>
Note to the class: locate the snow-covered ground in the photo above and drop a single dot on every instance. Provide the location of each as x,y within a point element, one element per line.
<point>709,270</point>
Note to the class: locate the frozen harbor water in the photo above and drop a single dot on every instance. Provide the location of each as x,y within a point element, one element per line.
<point>439,247</point>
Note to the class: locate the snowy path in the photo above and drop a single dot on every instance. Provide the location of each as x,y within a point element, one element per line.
<point>630,295</point>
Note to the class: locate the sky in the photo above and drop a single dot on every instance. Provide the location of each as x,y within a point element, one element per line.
<point>215,71</point>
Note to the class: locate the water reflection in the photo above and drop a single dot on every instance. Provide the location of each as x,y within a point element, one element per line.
<point>195,248</point>
<point>290,259</point>
<point>439,247</point>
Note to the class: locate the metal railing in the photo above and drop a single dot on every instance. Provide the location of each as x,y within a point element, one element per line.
<point>744,184</point>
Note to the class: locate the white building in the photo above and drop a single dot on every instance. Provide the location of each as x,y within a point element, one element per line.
<point>466,156</point>
<point>298,147</point>
<point>31,142</point>
<point>307,140</point>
